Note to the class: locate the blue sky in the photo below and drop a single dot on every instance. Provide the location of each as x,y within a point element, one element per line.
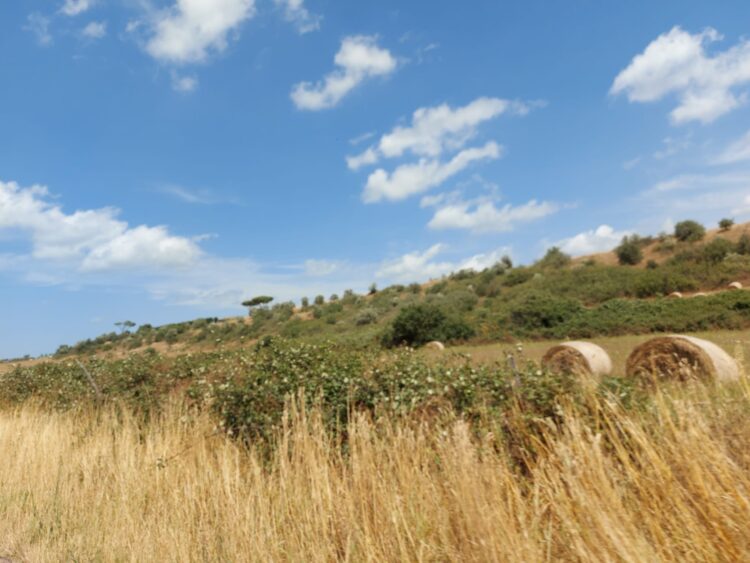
<point>163,160</point>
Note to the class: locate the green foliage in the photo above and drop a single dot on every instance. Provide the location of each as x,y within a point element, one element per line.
<point>416,325</point>
<point>540,312</point>
<point>743,245</point>
<point>366,317</point>
<point>718,249</point>
<point>629,252</point>
<point>554,258</point>
<point>689,231</point>
<point>319,300</point>
<point>726,224</point>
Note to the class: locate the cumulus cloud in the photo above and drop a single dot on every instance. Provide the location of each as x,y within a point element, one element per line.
<point>189,30</point>
<point>738,151</point>
<point>420,266</point>
<point>487,217</point>
<point>296,14</point>
<point>75,7</point>
<point>88,240</point>
<point>601,239</point>
<point>677,63</point>
<point>438,129</point>
<point>410,179</point>
<point>95,30</point>
<point>358,59</point>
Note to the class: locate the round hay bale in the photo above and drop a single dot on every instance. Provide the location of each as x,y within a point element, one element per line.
<point>577,358</point>
<point>675,295</point>
<point>681,358</point>
<point>435,345</point>
<point>734,285</point>
<point>700,294</point>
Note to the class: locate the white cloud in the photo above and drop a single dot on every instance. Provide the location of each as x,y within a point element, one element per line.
<point>702,182</point>
<point>358,59</point>
<point>410,179</point>
<point>673,146</point>
<point>95,30</point>
<point>677,63</point>
<point>38,25</point>
<point>602,239</point>
<point>75,7</point>
<point>370,156</point>
<point>320,267</point>
<point>90,239</point>
<point>420,266</point>
<point>184,83</point>
<point>738,151</point>
<point>486,217</point>
<point>197,196</point>
<point>437,129</point>
<point>190,29</point>
<point>296,13</point>
<point>699,196</point>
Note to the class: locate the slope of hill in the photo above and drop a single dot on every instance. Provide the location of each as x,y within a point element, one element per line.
<point>554,298</point>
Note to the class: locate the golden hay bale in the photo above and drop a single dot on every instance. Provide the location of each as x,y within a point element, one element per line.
<point>682,358</point>
<point>577,358</point>
<point>435,345</point>
<point>676,295</point>
<point>734,285</point>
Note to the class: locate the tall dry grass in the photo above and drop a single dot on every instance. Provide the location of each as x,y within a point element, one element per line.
<point>670,483</point>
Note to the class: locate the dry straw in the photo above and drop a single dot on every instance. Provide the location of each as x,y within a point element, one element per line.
<point>682,358</point>
<point>578,358</point>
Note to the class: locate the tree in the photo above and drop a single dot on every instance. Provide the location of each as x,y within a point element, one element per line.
<point>726,224</point>
<point>418,324</point>
<point>373,288</point>
<point>333,298</point>
<point>125,326</point>
<point>629,252</point>
<point>256,302</point>
<point>319,300</point>
<point>554,258</point>
<point>506,262</point>
<point>689,231</point>
<point>305,302</point>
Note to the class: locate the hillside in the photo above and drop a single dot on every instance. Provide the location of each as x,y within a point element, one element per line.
<point>554,298</point>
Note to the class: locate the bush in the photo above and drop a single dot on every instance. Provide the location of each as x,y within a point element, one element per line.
<point>726,224</point>
<point>743,245</point>
<point>716,250</point>
<point>554,258</point>
<point>540,311</point>
<point>366,317</point>
<point>689,231</point>
<point>416,325</point>
<point>629,252</point>
<point>319,300</point>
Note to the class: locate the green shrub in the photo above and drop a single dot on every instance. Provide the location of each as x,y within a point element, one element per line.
<point>718,249</point>
<point>689,231</point>
<point>726,224</point>
<point>554,258</point>
<point>416,325</point>
<point>541,311</point>
<point>629,252</point>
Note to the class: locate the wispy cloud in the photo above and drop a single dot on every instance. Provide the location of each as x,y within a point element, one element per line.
<point>358,59</point>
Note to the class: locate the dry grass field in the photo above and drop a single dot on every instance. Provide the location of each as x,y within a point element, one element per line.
<point>666,483</point>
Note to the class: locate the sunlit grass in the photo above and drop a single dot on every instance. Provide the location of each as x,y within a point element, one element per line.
<point>668,482</point>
